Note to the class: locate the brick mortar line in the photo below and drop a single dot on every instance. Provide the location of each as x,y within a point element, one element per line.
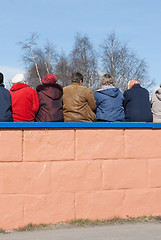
<point>22,145</point>
<point>75,143</point>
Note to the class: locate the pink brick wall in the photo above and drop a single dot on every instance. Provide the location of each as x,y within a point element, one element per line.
<point>48,176</point>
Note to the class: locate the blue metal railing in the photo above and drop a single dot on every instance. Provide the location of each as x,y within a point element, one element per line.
<point>79,125</point>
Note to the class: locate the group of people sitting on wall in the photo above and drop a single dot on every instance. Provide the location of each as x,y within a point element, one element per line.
<point>76,103</point>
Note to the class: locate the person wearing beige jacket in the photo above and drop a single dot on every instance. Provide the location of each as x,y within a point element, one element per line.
<point>156,105</point>
<point>79,104</point>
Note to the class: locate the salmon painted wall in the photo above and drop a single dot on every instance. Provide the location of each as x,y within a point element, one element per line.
<point>55,175</point>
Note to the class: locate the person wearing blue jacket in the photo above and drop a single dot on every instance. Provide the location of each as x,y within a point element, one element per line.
<point>5,103</point>
<point>109,101</point>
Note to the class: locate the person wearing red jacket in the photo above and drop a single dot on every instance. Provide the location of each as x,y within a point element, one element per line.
<point>25,102</point>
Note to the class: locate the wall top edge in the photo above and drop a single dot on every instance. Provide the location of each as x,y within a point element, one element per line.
<point>79,125</point>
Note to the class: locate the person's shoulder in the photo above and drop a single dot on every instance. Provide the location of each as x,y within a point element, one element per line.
<point>5,90</point>
<point>127,91</point>
<point>29,90</point>
<point>67,88</point>
<point>144,89</point>
<point>86,91</point>
<point>83,88</point>
<point>119,92</point>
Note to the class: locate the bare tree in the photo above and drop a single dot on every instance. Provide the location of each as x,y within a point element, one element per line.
<point>122,63</point>
<point>63,70</point>
<point>84,60</point>
<point>38,61</point>
<point>117,60</point>
<point>29,56</point>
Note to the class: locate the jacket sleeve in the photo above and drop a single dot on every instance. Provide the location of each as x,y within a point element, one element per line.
<point>91,101</point>
<point>152,100</point>
<point>35,102</point>
<point>125,99</point>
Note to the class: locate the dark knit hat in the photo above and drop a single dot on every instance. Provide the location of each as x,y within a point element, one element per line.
<point>1,77</point>
<point>49,78</point>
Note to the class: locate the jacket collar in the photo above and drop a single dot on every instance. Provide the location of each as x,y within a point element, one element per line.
<point>1,85</point>
<point>136,86</point>
<point>75,83</point>
<point>47,85</point>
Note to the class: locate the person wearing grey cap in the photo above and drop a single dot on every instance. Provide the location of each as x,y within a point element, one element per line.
<point>25,102</point>
<point>5,102</point>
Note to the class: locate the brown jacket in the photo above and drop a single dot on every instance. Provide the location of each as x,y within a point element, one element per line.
<point>78,104</point>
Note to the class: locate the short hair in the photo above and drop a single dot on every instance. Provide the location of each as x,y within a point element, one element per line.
<point>77,77</point>
<point>1,78</point>
<point>107,79</point>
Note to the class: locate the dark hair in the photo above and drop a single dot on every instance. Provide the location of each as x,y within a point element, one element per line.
<point>1,78</point>
<point>77,77</point>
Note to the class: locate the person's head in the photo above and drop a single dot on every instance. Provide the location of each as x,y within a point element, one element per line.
<point>107,79</point>
<point>18,78</point>
<point>49,78</point>
<point>1,78</point>
<point>131,83</point>
<point>77,77</point>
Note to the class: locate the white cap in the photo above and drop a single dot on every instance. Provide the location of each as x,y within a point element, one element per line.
<point>18,78</point>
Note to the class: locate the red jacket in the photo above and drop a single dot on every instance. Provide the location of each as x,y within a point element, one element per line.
<point>25,103</point>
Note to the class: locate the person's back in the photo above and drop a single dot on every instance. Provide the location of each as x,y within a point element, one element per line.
<point>109,101</point>
<point>5,103</point>
<point>156,105</point>
<point>25,103</point>
<point>137,105</point>
<point>50,100</point>
<point>78,102</point>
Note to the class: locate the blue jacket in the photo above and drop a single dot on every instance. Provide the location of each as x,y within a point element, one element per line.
<point>109,105</point>
<point>137,105</point>
<point>5,105</point>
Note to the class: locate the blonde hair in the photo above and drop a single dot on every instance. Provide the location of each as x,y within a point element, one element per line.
<point>107,79</point>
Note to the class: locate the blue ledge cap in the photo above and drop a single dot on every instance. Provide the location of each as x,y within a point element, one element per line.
<point>79,125</point>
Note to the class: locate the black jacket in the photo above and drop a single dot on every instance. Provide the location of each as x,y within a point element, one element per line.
<point>5,105</point>
<point>137,105</point>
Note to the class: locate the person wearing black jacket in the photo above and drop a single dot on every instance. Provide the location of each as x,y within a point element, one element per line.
<point>5,103</point>
<point>136,103</point>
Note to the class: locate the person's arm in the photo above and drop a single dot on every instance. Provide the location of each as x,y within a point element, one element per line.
<point>35,102</point>
<point>91,101</point>
<point>125,99</point>
<point>152,101</point>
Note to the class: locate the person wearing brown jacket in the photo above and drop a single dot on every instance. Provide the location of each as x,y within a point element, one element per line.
<point>79,104</point>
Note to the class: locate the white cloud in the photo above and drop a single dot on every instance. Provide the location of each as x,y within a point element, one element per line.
<point>8,73</point>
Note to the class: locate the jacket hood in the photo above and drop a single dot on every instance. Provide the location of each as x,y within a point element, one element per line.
<point>158,94</point>
<point>52,90</point>
<point>112,92</point>
<point>18,86</point>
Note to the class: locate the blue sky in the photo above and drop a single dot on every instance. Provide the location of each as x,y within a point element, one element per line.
<point>136,22</point>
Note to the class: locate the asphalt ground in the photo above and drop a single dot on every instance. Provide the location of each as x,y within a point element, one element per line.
<point>135,231</point>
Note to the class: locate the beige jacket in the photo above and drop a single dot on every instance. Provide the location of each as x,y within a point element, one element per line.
<point>156,106</point>
<point>79,104</point>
